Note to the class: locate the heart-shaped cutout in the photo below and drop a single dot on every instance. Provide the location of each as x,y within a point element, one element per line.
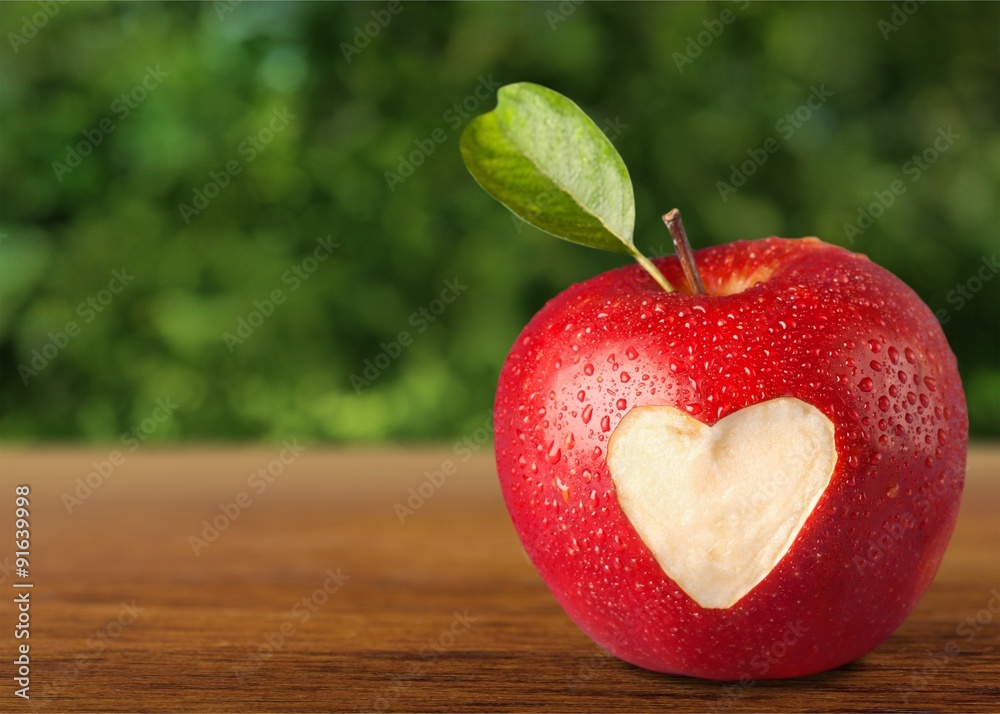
<point>720,506</point>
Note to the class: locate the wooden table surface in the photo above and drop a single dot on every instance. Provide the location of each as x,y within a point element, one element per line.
<point>311,595</point>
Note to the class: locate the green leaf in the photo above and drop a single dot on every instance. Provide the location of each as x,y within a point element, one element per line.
<point>543,158</point>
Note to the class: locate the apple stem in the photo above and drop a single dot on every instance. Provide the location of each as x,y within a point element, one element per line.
<point>676,227</point>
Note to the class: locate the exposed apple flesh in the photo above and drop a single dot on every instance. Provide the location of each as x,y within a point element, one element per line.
<point>719,506</point>
<point>795,319</point>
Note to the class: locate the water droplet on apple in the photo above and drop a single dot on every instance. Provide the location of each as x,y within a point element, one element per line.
<point>605,423</point>
<point>581,395</point>
<point>892,491</point>
<point>924,401</point>
<point>910,355</point>
<point>893,391</point>
<point>621,404</point>
<point>866,385</point>
<point>942,437</point>
<point>588,369</point>
<point>875,346</point>
<point>631,353</point>
<point>554,453</point>
<point>694,408</point>
<point>625,376</point>
<point>876,365</point>
<point>570,441</point>
<point>930,383</point>
<point>597,452</point>
<point>588,411</point>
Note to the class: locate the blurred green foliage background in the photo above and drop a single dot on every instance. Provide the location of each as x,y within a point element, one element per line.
<point>167,96</point>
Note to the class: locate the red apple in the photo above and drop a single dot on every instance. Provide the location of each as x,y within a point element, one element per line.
<point>758,482</point>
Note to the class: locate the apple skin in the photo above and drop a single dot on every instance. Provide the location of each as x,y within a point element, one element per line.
<point>824,325</point>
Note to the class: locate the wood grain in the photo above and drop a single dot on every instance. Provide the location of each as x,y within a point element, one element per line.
<point>440,613</point>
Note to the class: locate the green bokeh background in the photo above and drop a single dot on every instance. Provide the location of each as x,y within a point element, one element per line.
<point>229,66</point>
